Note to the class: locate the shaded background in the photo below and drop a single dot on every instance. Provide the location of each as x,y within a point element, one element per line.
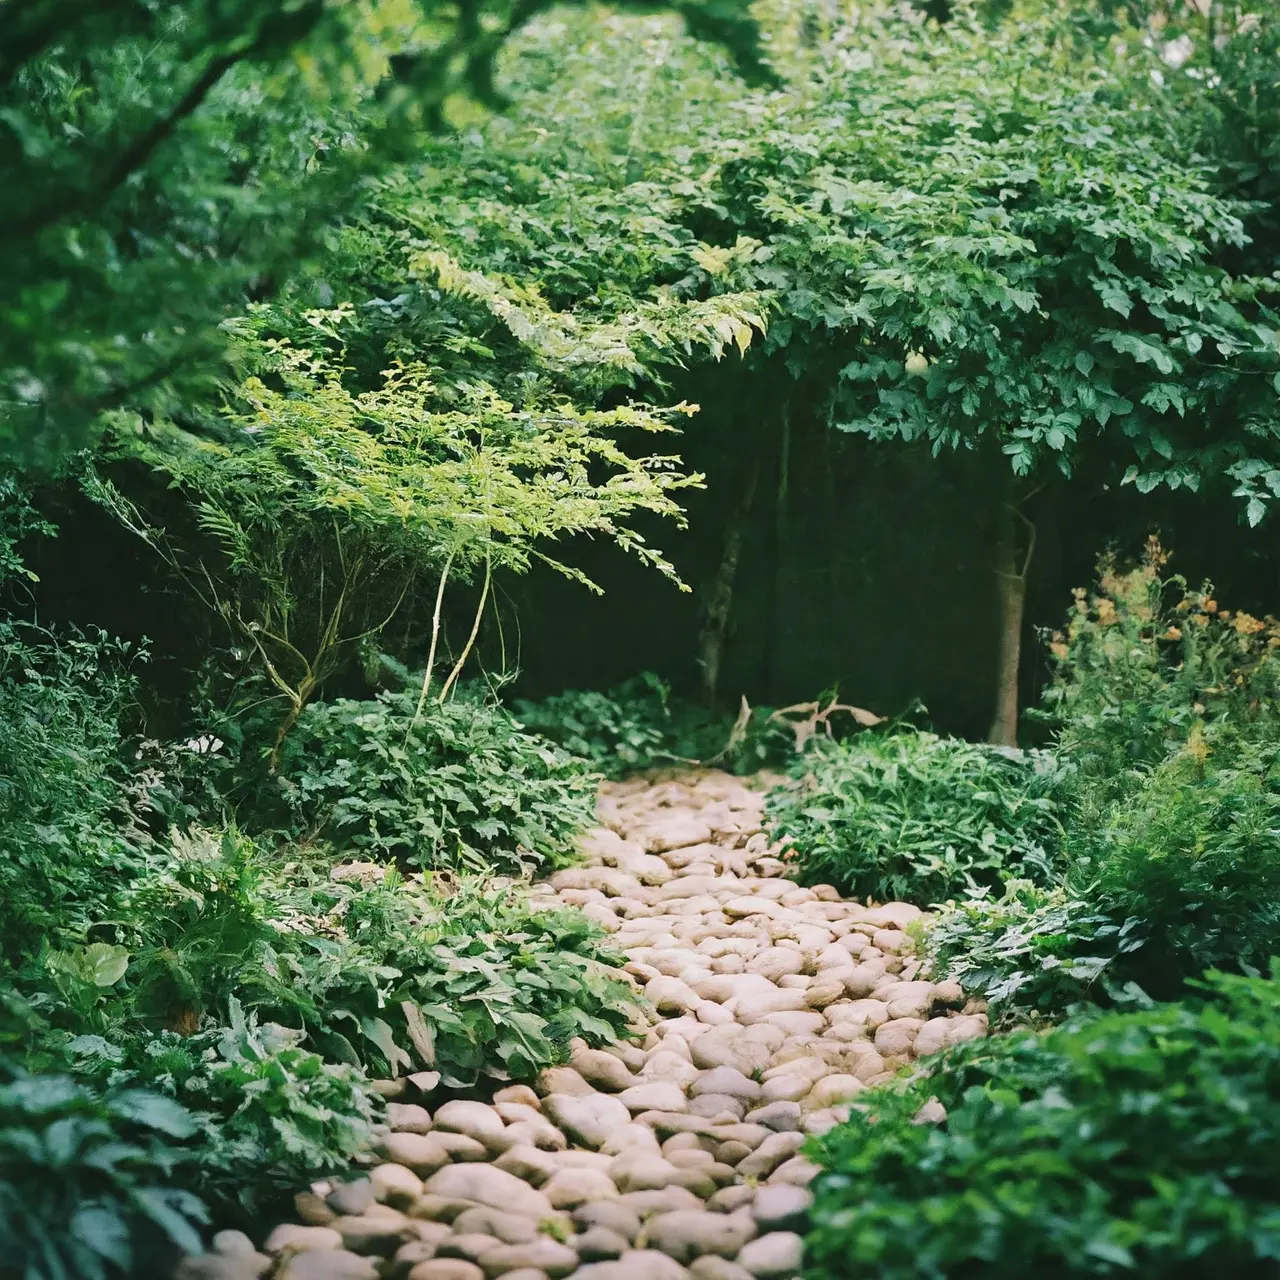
<point>869,568</point>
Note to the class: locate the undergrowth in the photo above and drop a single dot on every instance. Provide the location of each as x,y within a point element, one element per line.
<point>1141,1143</point>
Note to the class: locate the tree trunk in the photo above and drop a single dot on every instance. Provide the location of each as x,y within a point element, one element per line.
<point>1011,590</point>
<point>715,626</point>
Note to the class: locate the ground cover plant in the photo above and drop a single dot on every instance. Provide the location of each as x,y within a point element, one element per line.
<point>641,724</point>
<point>1163,710</point>
<point>1132,1143</point>
<point>455,786</point>
<point>906,813</point>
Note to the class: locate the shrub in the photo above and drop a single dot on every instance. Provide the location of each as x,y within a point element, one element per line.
<point>1143,659</point>
<point>278,1113</point>
<point>1032,950</point>
<point>1194,851</point>
<point>86,1179</point>
<point>461,786</point>
<point>1138,1143</point>
<point>641,725</point>
<point>627,728</point>
<point>907,814</point>
<point>476,984</point>
<point>1166,707</point>
<point>67,830</point>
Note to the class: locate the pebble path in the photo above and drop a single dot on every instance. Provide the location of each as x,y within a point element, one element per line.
<point>672,1159</point>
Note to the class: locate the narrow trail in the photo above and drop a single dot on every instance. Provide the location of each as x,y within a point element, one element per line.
<point>677,1157</point>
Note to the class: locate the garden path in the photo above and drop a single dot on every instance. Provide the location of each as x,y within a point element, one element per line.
<point>670,1159</point>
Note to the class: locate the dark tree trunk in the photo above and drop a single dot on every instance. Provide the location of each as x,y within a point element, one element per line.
<point>715,625</point>
<point>1012,562</point>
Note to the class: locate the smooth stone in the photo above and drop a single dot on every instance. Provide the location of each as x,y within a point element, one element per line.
<point>782,1207</point>
<point>611,1214</point>
<point>896,1037</point>
<point>446,1269</point>
<point>509,1228</point>
<point>711,1105</point>
<point>832,1090</point>
<point>408,1117</point>
<point>637,1264</point>
<point>382,1233</point>
<point>395,1185</point>
<point>658,1095</point>
<point>543,1254</point>
<point>599,1244</point>
<point>778,1116</point>
<point>776,1256</point>
<point>602,1070</point>
<point>725,1080</point>
<point>468,1245</point>
<point>729,1199</point>
<point>352,1198</point>
<point>520,1094</point>
<point>569,1188</point>
<point>527,1163</point>
<point>562,1080</point>
<point>487,1184</point>
<point>295,1239</point>
<point>589,1119</point>
<point>328,1264</point>
<point>776,1148</point>
<point>712,1267</point>
<point>423,1154</point>
<point>685,1236</point>
<point>474,1119</point>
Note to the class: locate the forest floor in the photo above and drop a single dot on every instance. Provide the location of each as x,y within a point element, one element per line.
<point>677,1156</point>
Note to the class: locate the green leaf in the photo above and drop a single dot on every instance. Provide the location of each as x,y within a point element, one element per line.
<point>105,964</point>
<point>156,1112</point>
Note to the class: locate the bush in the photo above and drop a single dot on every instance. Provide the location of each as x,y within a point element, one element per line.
<point>907,814</point>
<point>1194,851</point>
<point>1139,1143</point>
<point>1143,660</point>
<point>640,725</point>
<point>68,829</point>
<point>279,1114</point>
<point>1032,950</point>
<point>86,1179</point>
<point>492,985</point>
<point>462,786</point>
<point>619,731</point>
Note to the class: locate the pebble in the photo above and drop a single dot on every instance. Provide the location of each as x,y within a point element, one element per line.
<point>677,1158</point>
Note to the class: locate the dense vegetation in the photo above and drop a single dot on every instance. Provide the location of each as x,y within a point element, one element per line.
<point>354,327</point>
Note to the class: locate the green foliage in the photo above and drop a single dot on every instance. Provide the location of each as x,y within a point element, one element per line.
<point>617,731</point>
<point>977,239</point>
<point>640,725</point>
<point>86,1178</point>
<point>1195,852</point>
<point>280,1111</point>
<point>907,814</point>
<point>458,787</point>
<point>1138,1143</point>
<point>481,983</point>
<point>1032,950</point>
<point>168,165</point>
<point>1165,710</point>
<point>1144,659</point>
<point>68,825</point>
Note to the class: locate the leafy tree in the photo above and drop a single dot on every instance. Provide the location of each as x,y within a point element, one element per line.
<point>973,245</point>
<point>165,162</point>
<point>328,504</point>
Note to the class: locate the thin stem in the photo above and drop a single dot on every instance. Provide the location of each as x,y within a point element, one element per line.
<point>435,640</point>
<point>475,631</point>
